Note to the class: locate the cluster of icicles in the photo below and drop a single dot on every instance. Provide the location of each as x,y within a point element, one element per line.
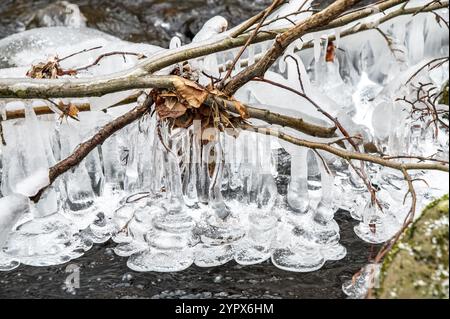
<point>169,200</point>
<point>165,211</point>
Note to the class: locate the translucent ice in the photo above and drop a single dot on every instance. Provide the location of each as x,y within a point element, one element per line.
<point>169,198</point>
<point>211,28</point>
<point>12,208</point>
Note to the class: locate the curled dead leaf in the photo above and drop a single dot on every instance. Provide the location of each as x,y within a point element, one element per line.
<point>174,112</point>
<point>190,91</point>
<point>48,70</point>
<point>68,110</point>
<point>73,111</point>
<point>44,70</point>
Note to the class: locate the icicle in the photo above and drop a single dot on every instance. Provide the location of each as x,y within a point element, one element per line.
<point>257,246</point>
<point>317,47</point>
<point>377,226</point>
<point>25,163</point>
<point>337,34</point>
<point>174,44</point>
<point>79,196</point>
<point>211,66</point>
<point>163,224</point>
<point>302,254</point>
<point>221,229</point>
<point>132,173</point>
<point>416,40</point>
<point>238,67</point>
<point>325,228</point>
<point>298,197</point>
<point>366,58</point>
<point>192,165</point>
<point>215,189</point>
<point>251,55</point>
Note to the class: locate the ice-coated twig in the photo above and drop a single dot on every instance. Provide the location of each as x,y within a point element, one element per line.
<point>429,64</point>
<point>101,57</point>
<point>348,155</point>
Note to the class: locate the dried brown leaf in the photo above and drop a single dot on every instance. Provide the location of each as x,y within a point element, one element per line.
<point>171,102</point>
<point>73,111</point>
<point>69,110</point>
<point>49,70</point>
<point>193,93</point>
<point>176,111</point>
<point>37,71</point>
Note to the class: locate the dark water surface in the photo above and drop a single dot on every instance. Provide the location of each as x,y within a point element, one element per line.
<point>105,275</point>
<point>150,21</point>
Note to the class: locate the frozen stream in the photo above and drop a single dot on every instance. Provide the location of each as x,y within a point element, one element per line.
<point>198,215</point>
<point>105,275</point>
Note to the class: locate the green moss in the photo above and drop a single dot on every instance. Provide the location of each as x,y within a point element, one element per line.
<point>436,202</point>
<point>20,94</point>
<point>418,265</point>
<point>444,98</point>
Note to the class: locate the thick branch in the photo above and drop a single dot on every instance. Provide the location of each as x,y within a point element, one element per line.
<point>298,124</point>
<point>284,40</point>
<point>65,88</point>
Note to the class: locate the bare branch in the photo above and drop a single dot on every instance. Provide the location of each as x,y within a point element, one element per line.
<point>98,139</point>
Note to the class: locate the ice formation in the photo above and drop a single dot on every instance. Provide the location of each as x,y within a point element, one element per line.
<point>154,192</point>
<point>211,28</point>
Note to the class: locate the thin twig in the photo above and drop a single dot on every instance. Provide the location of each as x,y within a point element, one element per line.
<point>79,52</point>
<point>275,3</point>
<point>97,61</point>
<point>345,154</point>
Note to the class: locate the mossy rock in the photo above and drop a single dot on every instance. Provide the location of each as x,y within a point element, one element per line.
<point>444,98</point>
<point>418,265</point>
